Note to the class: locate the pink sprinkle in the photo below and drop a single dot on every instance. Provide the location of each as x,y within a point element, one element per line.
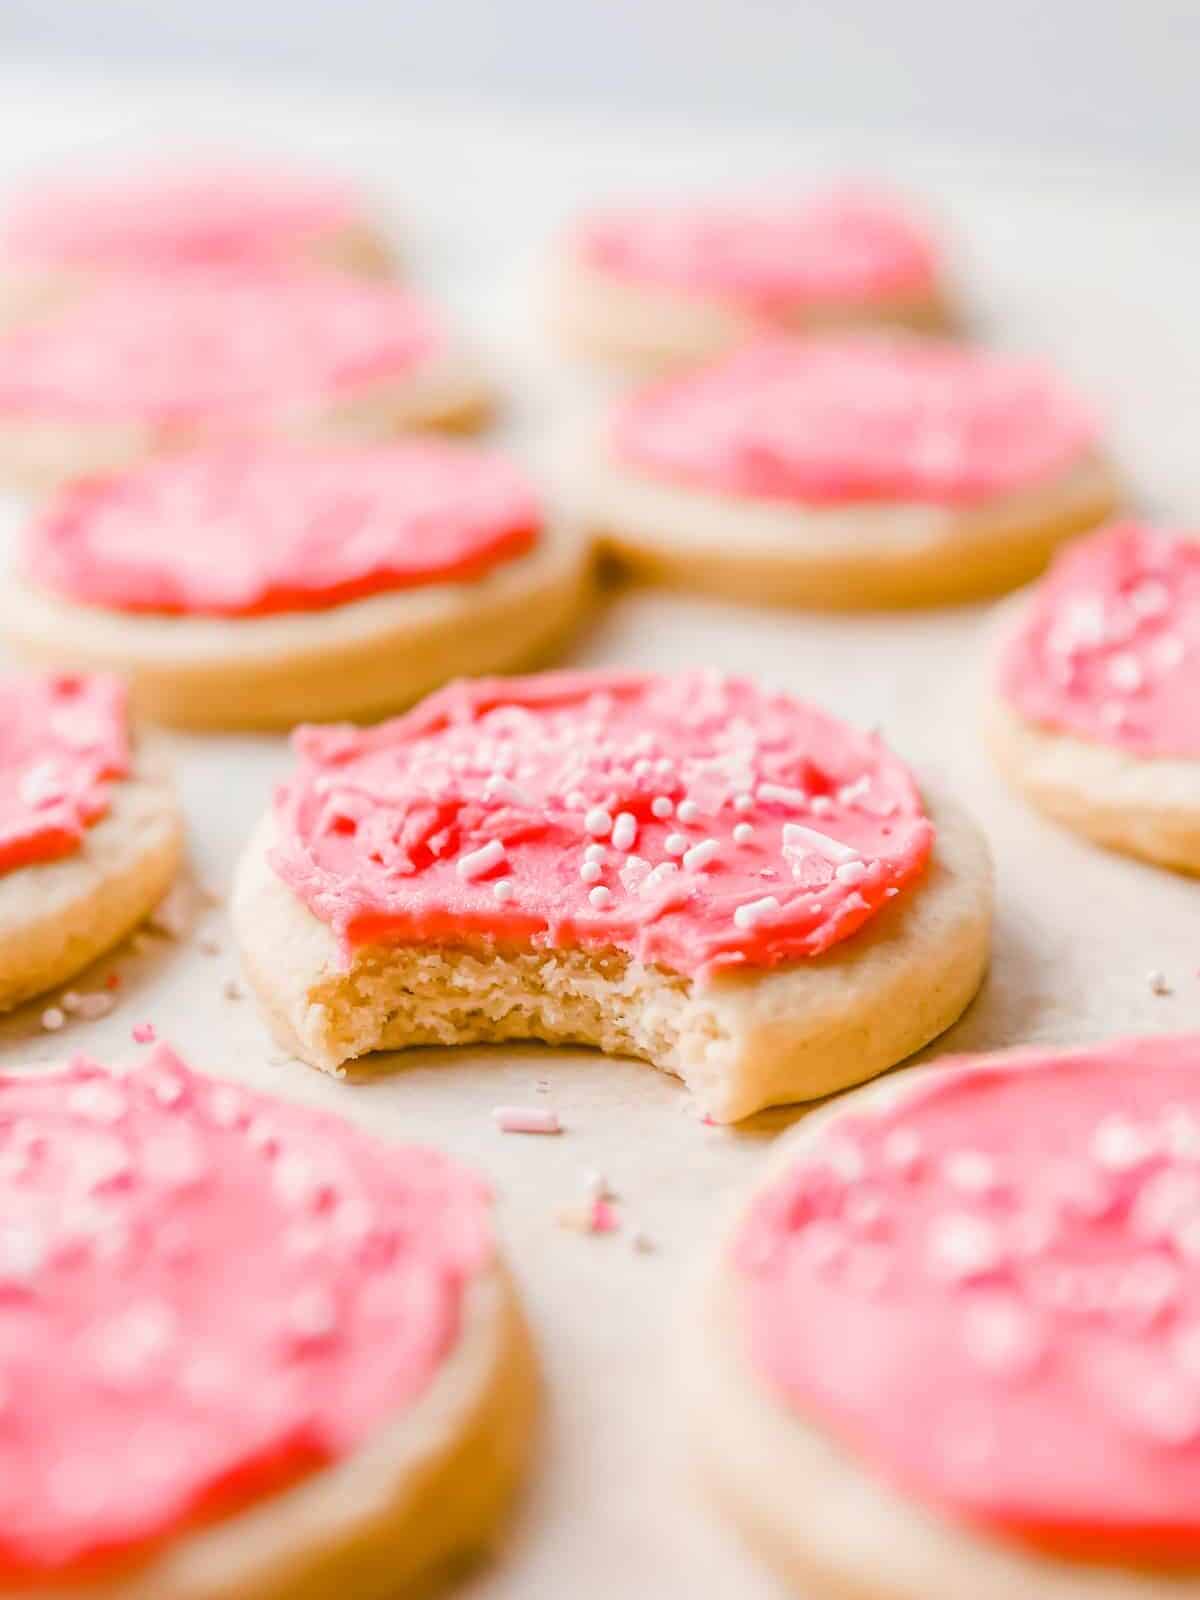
<point>143,1033</point>
<point>526,1119</point>
<point>604,1218</point>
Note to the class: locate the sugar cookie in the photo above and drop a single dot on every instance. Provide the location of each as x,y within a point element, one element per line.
<point>652,287</point>
<point>145,364</point>
<point>950,1347</point>
<point>247,1349</point>
<point>90,832</point>
<point>725,882</point>
<point>258,586</point>
<point>867,470</point>
<point>1095,716</point>
<point>61,233</point>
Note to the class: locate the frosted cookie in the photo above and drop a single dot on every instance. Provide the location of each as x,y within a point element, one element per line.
<point>656,286</point>
<point>728,883</point>
<point>58,235</point>
<point>90,832</point>
<point>952,1346</point>
<point>147,364</point>
<point>865,470</point>
<point>1094,715</point>
<point>257,586</point>
<point>247,1349</point>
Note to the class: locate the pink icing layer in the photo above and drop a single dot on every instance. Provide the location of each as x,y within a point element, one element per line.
<point>772,255</point>
<point>244,531</point>
<point>1108,646</point>
<point>696,821</point>
<point>856,417</point>
<point>63,742</point>
<point>205,1293</point>
<point>226,350</point>
<point>988,1291</point>
<point>173,217</point>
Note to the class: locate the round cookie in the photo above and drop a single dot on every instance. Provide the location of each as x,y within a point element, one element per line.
<point>259,586</point>
<point>858,471</point>
<point>950,1345</point>
<point>331,1379</point>
<point>1094,715</point>
<point>90,831</point>
<point>656,286</point>
<point>146,364</point>
<point>725,882</point>
<point>58,235</point>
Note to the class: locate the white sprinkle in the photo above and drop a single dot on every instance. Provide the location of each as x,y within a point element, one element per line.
<point>642,768</point>
<point>600,897</point>
<point>962,1246</point>
<point>312,1316</point>
<point>598,822</point>
<point>1158,982</point>
<point>676,844</point>
<point>701,854</point>
<point>595,852</point>
<point>851,872</point>
<point>52,1019</point>
<point>664,766</point>
<point>799,838</point>
<point>526,1119</point>
<point>98,1102</point>
<point>1001,1335</point>
<point>576,799</point>
<point>502,890</point>
<point>70,1000</point>
<point>1120,1145</point>
<point>821,806</point>
<point>1125,673</point>
<point>662,807</point>
<point>477,862</point>
<point>94,1006</point>
<point>755,911</point>
<point>687,811</point>
<point>970,1171</point>
<point>1150,598</point>
<point>743,833</point>
<point>902,1150</point>
<point>624,833</point>
<point>782,794</point>
<point>591,872</point>
<point>743,802</point>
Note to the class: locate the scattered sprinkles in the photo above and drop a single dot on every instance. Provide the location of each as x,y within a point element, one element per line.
<point>526,1119</point>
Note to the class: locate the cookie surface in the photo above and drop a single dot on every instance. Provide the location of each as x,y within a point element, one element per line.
<point>259,586</point>
<point>90,831</point>
<point>947,1346</point>
<point>865,470</point>
<point>656,287</point>
<point>728,883</point>
<point>1093,714</point>
<point>333,1381</point>
<point>142,364</point>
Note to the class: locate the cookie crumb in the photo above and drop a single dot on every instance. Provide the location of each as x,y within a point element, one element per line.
<point>1158,982</point>
<point>231,989</point>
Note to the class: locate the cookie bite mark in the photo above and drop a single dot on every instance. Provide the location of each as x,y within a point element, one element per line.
<point>726,882</point>
<point>1093,715</point>
<point>962,1305</point>
<point>659,286</point>
<point>854,471</point>
<point>146,363</point>
<point>253,585</point>
<point>313,1326</point>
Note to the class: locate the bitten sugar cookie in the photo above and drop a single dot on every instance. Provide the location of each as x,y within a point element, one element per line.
<point>152,363</point>
<point>247,1350</point>
<point>658,286</point>
<point>1095,714</point>
<point>725,882</point>
<point>867,470</point>
<point>952,1347</point>
<point>90,833</point>
<point>61,233</point>
<point>257,586</point>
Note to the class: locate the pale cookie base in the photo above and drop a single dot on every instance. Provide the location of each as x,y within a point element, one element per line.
<point>647,329</point>
<point>830,1527</point>
<point>740,1043</point>
<point>420,1498</point>
<point>773,552</point>
<point>359,660</point>
<point>56,917</point>
<point>1146,808</point>
<point>448,392</point>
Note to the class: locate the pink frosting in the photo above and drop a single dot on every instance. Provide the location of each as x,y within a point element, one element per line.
<point>771,255</point>
<point>231,350</point>
<point>696,821</point>
<point>169,217</point>
<point>988,1291</point>
<point>63,742</point>
<point>205,1294</point>
<point>856,417</point>
<point>247,530</point>
<point>1108,646</point>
